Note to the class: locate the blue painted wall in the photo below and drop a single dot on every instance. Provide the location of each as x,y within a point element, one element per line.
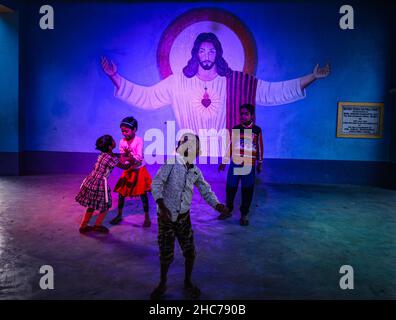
<point>69,101</point>
<point>9,82</point>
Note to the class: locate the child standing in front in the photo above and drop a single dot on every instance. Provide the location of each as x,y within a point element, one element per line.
<point>94,192</point>
<point>136,181</point>
<point>246,155</point>
<point>172,190</point>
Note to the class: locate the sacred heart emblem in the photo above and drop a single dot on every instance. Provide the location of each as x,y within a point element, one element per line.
<point>206,101</point>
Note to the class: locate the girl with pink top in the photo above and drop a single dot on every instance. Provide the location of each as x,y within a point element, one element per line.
<point>135,181</point>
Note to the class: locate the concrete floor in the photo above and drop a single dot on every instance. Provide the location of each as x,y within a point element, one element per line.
<point>298,238</point>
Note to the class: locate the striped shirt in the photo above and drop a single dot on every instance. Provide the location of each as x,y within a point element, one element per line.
<point>247,142</point>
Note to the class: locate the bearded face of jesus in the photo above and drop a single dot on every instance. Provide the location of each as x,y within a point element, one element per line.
<point>207,55</point>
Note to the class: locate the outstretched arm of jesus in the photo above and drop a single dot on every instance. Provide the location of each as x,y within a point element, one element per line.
<point>282,92</point>
<point>318,73</point>
<point>153,97</point>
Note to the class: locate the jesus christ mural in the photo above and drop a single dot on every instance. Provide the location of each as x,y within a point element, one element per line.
<point>207,94</point>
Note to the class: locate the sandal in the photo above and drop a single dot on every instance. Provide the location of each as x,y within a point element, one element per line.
<point>100,229</point>
<point>85,229</point>
<point>158,292</point>
<point>116,220</point>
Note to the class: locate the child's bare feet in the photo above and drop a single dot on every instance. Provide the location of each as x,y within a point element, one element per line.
<point>244,221</point>
<point>224,215</point>
<point>101,229</point>
<point>192,290</point>
<point>158,292</point>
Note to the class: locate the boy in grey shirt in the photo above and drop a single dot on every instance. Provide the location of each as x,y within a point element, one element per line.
<point>172,189</point>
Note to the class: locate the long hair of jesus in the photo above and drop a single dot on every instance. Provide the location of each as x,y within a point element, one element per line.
<point>222,68</point>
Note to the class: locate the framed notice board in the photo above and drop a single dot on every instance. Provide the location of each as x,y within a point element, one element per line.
<point>360,120</point>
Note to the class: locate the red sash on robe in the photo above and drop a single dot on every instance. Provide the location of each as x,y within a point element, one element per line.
<point>241,89</point>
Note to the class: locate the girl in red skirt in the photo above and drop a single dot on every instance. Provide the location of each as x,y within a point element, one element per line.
<point>136,181</point>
